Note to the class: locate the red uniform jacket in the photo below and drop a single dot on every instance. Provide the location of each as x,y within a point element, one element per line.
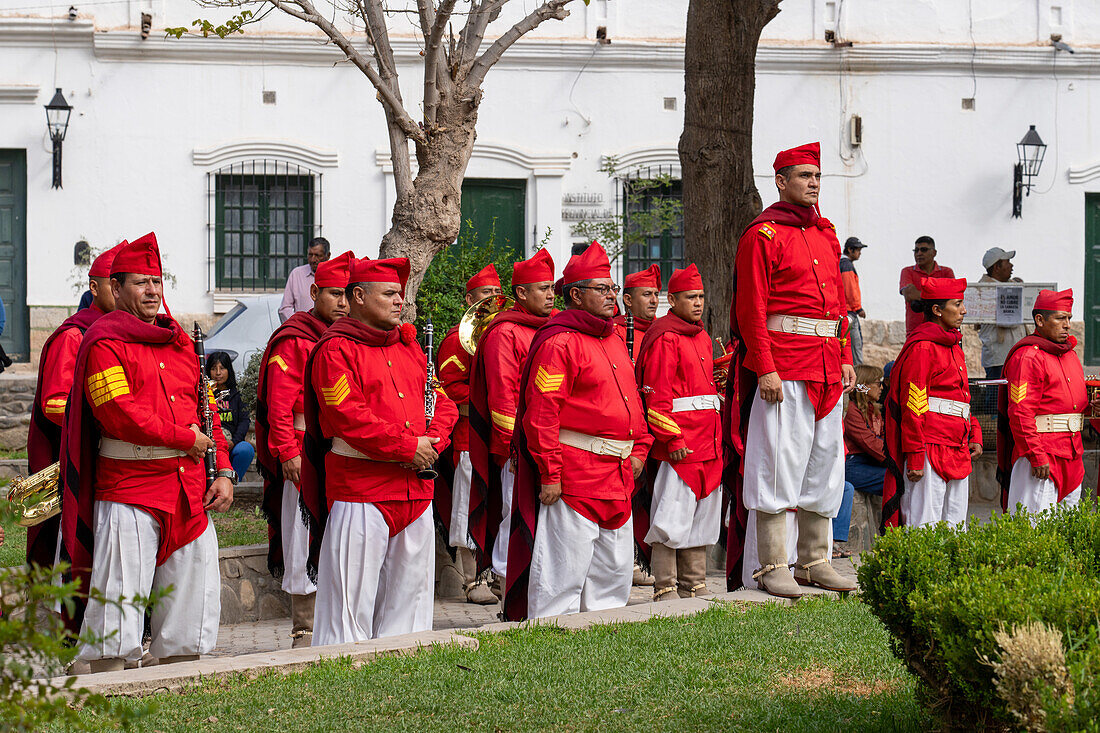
<point>502,353</point>
<point>791,270</point>
<point>641,325</point>
<point>1045,378</point>
<point>677,360</point>
<point>453,370</point>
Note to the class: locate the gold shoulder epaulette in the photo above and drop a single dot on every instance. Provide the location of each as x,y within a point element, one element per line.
<point>767,231</point>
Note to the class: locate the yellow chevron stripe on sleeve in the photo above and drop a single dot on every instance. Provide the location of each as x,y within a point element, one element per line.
<point>337,393</point>
<point>1017,392</point>
<point>663,422</point>
<point>456,360</point>
<point>504,422</point>
<point>56,406</point>
<point>107,385</point>
<point>918,399</point>
<point>279,361</point>
<point>547,381</point>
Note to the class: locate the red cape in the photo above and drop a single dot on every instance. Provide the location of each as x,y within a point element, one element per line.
<point>303,325</point>
<point>44,444</point>
<point>528,484</point>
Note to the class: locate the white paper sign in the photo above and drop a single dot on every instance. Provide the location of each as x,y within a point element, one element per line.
<point>1003,304</point>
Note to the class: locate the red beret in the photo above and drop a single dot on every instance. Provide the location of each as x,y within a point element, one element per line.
<point>647,278</point>
<point>538,269</point>
<point>942,288</point>
<point>140,257</point>
<point>487,277</point>
<point>592,264</point>
<point>394,270</point>
<point>1050,300</point>
<point>808,154</point>
<point>334,273</point>
<point>685,279</point>
<point>101,267</point>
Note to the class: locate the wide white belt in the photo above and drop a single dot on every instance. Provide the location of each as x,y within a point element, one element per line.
<point>299,421</point>
<point>697,402</point>
<point>341,448</point>
<point>955,408</point>
<point>1064,423</point>
<point>804,326</point>
<point>120,450</point>
<point>596,444</point>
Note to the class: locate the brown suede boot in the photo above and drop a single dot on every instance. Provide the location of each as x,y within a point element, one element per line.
<point>813,566</point>
<point>774,575</point>
<point>663,564</point>
<point>178,658</point>
<point>692,562</point>
<point>477,590</point>
<point>107,664</point>
<point>301,620</point>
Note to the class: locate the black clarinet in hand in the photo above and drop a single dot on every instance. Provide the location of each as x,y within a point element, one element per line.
<point>206,415</point>
<point>630,336</point>
<point>430,385</point>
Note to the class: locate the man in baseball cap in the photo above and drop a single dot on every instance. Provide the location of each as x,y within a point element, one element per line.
<point>998,340</point>
<point>853,250</point>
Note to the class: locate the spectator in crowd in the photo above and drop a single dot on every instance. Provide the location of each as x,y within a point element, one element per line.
<point>865,465</point>
<point>296,295</point>
<point>924,256</point>
<point>997,340</point>
<point>232,410</point>
<point>85,300</point>
<point>853,249</point>
<point>842,522</point>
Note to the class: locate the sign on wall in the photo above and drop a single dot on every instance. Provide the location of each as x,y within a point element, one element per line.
<point>1005,304</point>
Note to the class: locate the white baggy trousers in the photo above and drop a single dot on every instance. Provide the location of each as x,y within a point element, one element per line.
<point>935,499</point>
<point>792,459</point>
<point>124,565</point>
<point>369,584</point>
<point>577,566</point>
<point>1036,495</point>
<point>679,520</point>
<point>460,502</point>
<point>500,546</point>
<point>295,544</point>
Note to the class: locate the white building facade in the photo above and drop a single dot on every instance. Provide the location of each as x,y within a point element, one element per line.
<point>235,151</point>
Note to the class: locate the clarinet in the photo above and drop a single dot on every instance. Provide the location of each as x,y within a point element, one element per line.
<point>206,415</point>
<point>630,335</point>
<point>430,385</point>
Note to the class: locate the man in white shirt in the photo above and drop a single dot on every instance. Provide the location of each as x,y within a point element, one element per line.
<point>296,295</point>
<point>997,341</point>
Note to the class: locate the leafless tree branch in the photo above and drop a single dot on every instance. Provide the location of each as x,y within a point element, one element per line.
<point>426,10</point>
<point>434,70</point>
<point>549,9</point>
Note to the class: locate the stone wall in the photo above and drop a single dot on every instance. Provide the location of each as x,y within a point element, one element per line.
<point>16,398</point>
<point>249,593</point>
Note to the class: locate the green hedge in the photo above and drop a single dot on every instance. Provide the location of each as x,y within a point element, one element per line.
<point>943,594</point>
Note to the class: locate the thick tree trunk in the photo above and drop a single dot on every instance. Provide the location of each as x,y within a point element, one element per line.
<point>720,196</point>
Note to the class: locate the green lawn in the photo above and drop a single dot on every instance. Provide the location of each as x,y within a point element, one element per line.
<point>819,666</point>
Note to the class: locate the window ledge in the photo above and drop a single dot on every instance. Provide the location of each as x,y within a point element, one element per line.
<point>224,300</point>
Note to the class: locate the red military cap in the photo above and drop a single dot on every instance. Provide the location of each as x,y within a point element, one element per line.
<point>101,267</point>
<point>538,269</point>
<point>647,278</point>
<point>942,288</point>
<point>808,154</point>
<point>1050,300</point>
<point>486,277</point>
<point>140,257</point>
<point>334,273</point>
<point>592,264</point>
<point>394,270</point>
<point>685,279</point>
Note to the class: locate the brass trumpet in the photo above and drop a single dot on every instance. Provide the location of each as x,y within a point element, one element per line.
<point>37,496</point>
<point>478,317</point>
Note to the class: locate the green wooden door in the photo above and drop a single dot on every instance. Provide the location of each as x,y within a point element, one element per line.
<point>493,207</point>
<point>13,252</point>
<point>1092,279</point>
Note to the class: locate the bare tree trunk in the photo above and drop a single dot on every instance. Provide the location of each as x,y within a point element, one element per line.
<point>720,196</point>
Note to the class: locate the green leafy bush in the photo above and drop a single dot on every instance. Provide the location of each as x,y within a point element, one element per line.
<point>946,594</point>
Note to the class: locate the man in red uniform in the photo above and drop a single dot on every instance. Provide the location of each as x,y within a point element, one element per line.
<point>280,428</point>
<point>1041,458</point>
<point>136,492</point>
<point>372,546</point>
<point>574,552</point>
<point>640,293</point>
<point>676,372</point>
<point>494,396</point>
<point>789,306</point>
<point>930,435</point>
<point>55,382</point>
<point>454,375</point>
<point>925,265</point>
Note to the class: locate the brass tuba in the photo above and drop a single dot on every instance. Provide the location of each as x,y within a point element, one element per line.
<point>478,316</point>
<point>36,496</point>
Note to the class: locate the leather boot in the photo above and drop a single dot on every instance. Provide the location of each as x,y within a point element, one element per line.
<point>477,590</point>
<point>107,664</point>
<point>774,575</point>
<point>301,620</point>
<point>497,586</point>
<point>663,564</point>
<point>179,658</point>
<point>692,562</point>
<point>813,566</point>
